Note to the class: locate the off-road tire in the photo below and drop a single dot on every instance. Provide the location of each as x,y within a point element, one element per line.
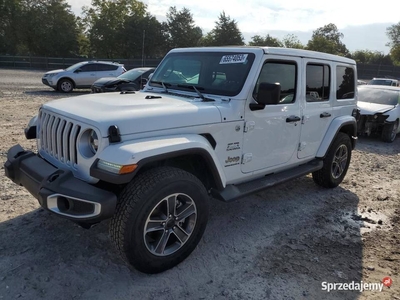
<point>389,132</point>
<point>136,205</point>
<point>336,162</point>
<point>65,85</point>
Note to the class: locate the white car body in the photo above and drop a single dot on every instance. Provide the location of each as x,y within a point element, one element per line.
<point>81,75</point>
<point>140,119</point>
<point>222,123</point>
<point>377,110</point>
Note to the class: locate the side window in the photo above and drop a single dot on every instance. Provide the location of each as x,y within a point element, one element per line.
<point>317,82</point>
<point>345,84</point>
<point>104,67</point>
<point>89,68</point>
<point>282,72</point>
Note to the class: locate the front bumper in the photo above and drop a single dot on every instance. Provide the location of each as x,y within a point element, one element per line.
<point>57,189</point>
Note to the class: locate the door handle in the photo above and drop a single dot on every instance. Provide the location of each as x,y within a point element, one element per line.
<point>292,119</point>
<point>325,115</point>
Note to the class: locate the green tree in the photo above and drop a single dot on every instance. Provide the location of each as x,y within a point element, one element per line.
<point>268,41</point>
<point>292,41</point>
<point>395,54</point>
<point>49,28</point>
<point>105,24</point>
<point>10,21</point>
<point>328,39</point>
<point>146,37</point>
<point>181,29</point>
<point>393,32</point>
<point>371,57</point>
<point>225,32</point>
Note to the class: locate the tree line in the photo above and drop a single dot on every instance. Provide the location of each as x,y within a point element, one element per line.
<point>125,29</point>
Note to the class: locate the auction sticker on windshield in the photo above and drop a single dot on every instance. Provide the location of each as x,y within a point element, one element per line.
<point>233,59</point>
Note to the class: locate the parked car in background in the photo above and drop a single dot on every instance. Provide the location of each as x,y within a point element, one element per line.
<point>384,81</point>
<point>380,111</point>
<point>132,80</point>
<point>361,82</point>
<point>81,75</point>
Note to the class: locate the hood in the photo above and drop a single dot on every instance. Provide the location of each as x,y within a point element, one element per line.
<point>133,113</point>
<point>368,108</point>
<point>55,71</point>
<point>105,81</point>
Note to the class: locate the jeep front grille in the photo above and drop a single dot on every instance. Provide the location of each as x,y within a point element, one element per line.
<point>58,137</point>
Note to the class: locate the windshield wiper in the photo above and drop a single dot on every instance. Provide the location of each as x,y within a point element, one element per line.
<point>163,84</point>
<point>193,87</point>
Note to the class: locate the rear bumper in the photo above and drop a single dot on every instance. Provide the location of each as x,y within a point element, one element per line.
<point>58,190</point>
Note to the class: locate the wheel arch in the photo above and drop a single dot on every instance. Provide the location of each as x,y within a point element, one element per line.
<point>193,153</point>
<point>196,161</point>
<point>68,78</point>
<point>345,124</point>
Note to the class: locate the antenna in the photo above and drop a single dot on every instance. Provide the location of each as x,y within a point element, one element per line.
<point>144,33</point>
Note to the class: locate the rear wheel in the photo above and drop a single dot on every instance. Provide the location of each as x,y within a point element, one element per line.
<point>65,86</point>
<point>336,163</point>
<point>389,132</point>
<point>160,218</point>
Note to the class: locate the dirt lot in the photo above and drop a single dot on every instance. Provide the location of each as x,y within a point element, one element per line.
<point>278,244</point>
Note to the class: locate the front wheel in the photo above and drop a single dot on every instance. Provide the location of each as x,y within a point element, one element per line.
<point>65,86</point>
<point>160,218</point>
<point>389,132</point>
<point>336,163</point>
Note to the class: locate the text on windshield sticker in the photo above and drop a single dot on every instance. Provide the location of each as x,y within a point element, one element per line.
<point>233,59</point>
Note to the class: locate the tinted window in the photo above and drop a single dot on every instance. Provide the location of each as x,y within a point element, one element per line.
<point>345,84</point>
<point>220,73</point>
<point>89,68</point>
<point>104,67</point>
<point>317,82</point>
<point>281,72</point>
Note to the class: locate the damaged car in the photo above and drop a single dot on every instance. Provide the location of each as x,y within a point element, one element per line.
<point>379,111</point>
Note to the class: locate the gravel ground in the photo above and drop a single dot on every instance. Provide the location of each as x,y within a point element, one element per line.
<point>279,244</point>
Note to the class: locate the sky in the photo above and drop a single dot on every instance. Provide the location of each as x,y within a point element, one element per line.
<point>363,24</point>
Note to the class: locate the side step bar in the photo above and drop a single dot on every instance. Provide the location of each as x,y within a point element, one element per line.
<point>233,192</point>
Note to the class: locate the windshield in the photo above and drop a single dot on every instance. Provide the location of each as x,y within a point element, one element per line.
<point>388,97</point>
<point>133,74</point>
<point>75,66</point>
<point>220,73</point>
<point>380,82</point>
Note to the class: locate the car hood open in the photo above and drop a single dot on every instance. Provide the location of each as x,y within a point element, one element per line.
<point>136,112</point>
<point>368,108</point>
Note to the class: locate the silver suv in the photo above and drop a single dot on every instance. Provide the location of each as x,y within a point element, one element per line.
<point>81,75</point>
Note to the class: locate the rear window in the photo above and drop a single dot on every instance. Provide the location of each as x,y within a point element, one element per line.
<point>382,82</point>
<point>104,67</point>
<point>379,96</point>
<point>345,82</point>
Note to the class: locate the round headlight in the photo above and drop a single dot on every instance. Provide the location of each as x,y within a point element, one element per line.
<point>93,141</point>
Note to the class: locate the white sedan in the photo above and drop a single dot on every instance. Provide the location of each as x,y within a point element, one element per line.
<point>379,111</point>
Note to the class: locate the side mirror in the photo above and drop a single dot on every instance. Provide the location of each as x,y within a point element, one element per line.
<point>268,93</point>
<point>78,70</point>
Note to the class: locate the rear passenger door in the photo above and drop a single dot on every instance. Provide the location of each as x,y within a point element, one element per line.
<point>105,70</point>
<point>316,110</point>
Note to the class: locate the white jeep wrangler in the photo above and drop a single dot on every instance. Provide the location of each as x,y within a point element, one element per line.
<point>218,123</point>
